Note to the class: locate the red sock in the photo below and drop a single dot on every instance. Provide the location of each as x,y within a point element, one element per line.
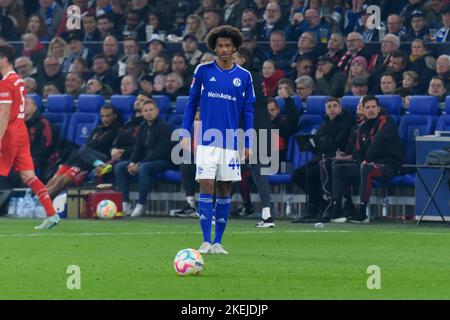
<point>44,199</point>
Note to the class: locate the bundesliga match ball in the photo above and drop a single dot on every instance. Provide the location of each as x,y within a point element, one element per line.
<point>106,209</point>
<point>188,261</point>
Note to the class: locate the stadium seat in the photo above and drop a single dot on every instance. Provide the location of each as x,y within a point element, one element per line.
<point>59,103</point>
<point>426,105</point>
<point>316,104</point>
<point>80,126</point>
<point>90,103</point>
<point>284,177</point>
<point>282,105</point>
<point>350,103</point>
<point>443,123</point>
<point>393,104</point>
<point>163,103</point>
<point>37,99</point>
<point>59,122</point>
<point>180,104</point>
<point>175,120</point>
<point>124,105</point>
<point>173,176</point>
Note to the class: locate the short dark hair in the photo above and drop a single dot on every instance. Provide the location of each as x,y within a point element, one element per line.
<point>105,16</point>
<point>110,107</point>
<point>399,54</point>
<point>334,99</point>
<point>150,101</point>
<point>100,56</point>
<point>90,15</point>
<point>287,82</point>
<point>272,100</point>
<point>7,51</point>
<point>224,32</point>
<point>368,98</point>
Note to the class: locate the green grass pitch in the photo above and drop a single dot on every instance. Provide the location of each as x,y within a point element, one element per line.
<point>132,259</point>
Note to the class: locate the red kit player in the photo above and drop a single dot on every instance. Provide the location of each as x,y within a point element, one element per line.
<point>14,141</point>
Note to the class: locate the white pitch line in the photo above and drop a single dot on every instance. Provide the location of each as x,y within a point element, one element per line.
<point>157,233</point>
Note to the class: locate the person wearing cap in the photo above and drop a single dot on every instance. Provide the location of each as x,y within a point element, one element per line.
<point>190,49</point>
<point>76,50</point>
<point>259,55</point>
<point>358,86</point>
<point>330,81</point>
<point>443,35</point>
<point>156,47</point>
<point>358,69</point>
<point>304,66</point>
<point>410,7</point>
<point>418,28</point>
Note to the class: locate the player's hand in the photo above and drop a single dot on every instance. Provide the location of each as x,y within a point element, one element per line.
<point>246,155</point>
<point>186,144</point>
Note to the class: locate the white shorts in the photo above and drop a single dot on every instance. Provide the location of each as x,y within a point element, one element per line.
<point>217,164</point>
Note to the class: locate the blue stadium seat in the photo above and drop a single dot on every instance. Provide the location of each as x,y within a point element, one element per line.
<point>59,103</point>
<point>90,103</point>
<point>392,103</point>
<point>37,99</point>
<point>163,103</point>
<point>80,126</point>
<point>350,103</point>
<point>443,123</point>
<point>123,103</point>
<point>297,102</point>
<point>316,104</point>
<point>175,120</point>
<point>173,176</point>
<point>284,178</point>
<point>180,104</point>
<point>426,105</point>
<point>59,122</point>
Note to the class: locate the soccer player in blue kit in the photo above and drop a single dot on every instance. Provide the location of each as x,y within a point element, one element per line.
<point>224,92</point>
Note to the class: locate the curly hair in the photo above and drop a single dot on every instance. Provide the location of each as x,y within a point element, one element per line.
<point>226,31</point>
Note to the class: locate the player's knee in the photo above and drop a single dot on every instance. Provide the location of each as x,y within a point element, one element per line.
<point>26,176</point>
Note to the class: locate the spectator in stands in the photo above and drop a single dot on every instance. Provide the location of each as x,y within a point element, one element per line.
<point>73,84</point>
<point>161,65</point>
<point>36,25</point>
<point>279,53</point>
<point>422,62</point>
<point>257,52</point>
<point>368,34</point>
<point>40,133</point>
<point>211,19</point>
<point>358,69</point>
<point>314,23</point>
<point>411,6</point>
<point>58,48</point>
<point>273,20</point>
<point>175,86</point>
<point>409,84</point>
<point>304,86</point>
<point>374,151</point>
<point>232,12</point>
<point>379,62</point>
<point>105,26</point>
<point>336,47</point>
<point>432,11</point>
<point>331,136</point>
<point>130,48</point>
<point>304,66</point>
<point>206,4</point>
<point>103,72</point>
<point>94,153</point>
<point>135,67</point>
<point>418,29</point>
<point>129,85</point>
<point>155,47</point>
<point>388,84</point>
<point>355,48</point>
<point>443,70</point>
<point>195,26</point>
<point>395,25</point>
<point>134,27</point>
<point>52,72</point>
<point>52,13</point>
<point>437,89</point>
<point>306,45</point>
<point>90,30</point>
<point>49,88</point>
<point>207,57</point>
<point>397,65</point>
<point>443,35</point>
<point>359,86</point>
<point>30,85</point>
<point>249,20</point>
<point>150,156</point>
<point>260,8</point>
<point>111,51</point>
<point>76,50</point>
<point>25,68</point>
<point>159,84</point>
<point>330,81</point>
<point>33,48</point>
<point>95,86</point>
<point>190,50</point>
<point>271,75</point>
<point>123,144</point>
<point>181,66</point>
<point>143,7</point>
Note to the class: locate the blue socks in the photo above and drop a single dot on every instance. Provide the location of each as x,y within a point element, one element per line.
<point>205,211</point>
<point>222,211</point>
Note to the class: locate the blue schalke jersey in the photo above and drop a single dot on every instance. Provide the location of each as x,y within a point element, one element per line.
<point>225,97</point>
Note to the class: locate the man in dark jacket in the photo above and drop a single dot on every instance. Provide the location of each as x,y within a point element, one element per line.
<point>94,153</point>
<point>332,135</point>
<point>374,151</point>
<point>150,156</point>
<point>330,80</point>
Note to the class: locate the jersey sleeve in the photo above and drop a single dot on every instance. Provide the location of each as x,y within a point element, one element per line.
<point>194,99</point>
<point>248,111</point>
<point>5,93</point>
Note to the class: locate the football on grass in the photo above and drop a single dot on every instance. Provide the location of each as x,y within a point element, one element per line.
<point>188,261</point>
